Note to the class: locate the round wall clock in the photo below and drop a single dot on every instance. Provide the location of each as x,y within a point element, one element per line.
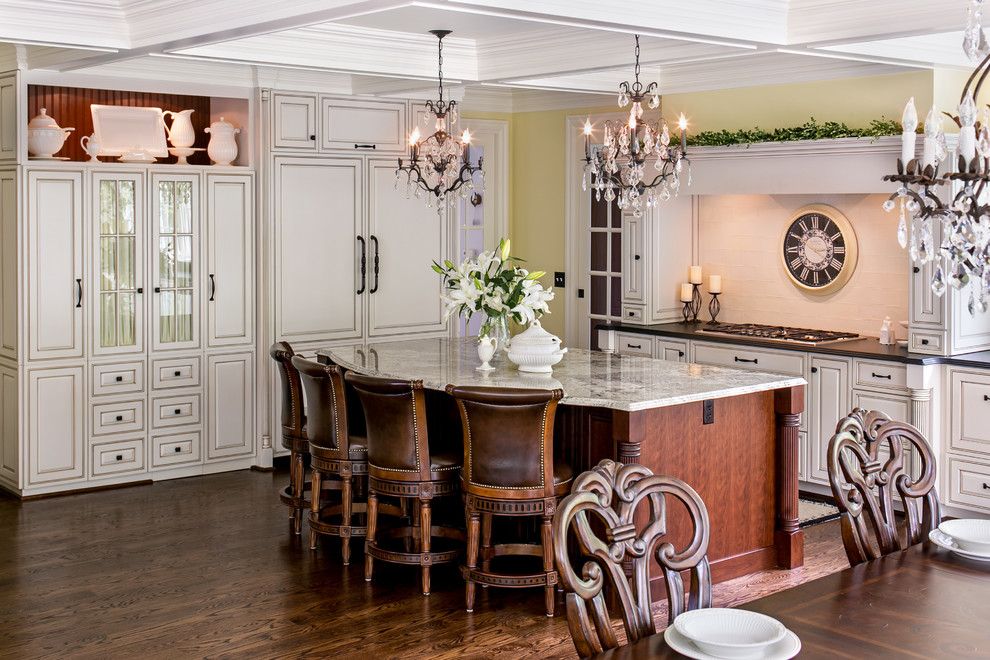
<point>819,249</point>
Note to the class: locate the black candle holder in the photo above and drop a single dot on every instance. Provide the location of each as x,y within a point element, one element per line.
<point>714,307</point>
<point>686,310</point>
<point>695,302</point>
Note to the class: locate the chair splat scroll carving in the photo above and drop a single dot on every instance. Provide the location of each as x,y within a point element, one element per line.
<point>865,484</point>
<point>601,511</point>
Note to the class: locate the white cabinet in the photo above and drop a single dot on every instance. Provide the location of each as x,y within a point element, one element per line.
<point>56,418</point>
<point>360,125</point>
<point>829,383</point>
<point>294,121</point>
<point>230,390</point>
<point>176,246</point>
<point>55,265</point>
<point>404,237</point>
<point>9,456</point>
<point>632,259</point>
<point>633,344</point>
<point>970,412</point>
<point>671,350</point>
<point>230,260</point>
<point>8,264</point>
<point>320,250</point>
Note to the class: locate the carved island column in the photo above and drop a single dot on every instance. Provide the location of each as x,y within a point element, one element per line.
<point>788,537</point>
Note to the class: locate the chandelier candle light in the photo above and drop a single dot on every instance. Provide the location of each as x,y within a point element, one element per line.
<point>439,164</point>
<point>962,258</point>
<point>618,169</point>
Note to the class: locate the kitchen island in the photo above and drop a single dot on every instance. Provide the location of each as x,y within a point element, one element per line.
<point>731,434</point>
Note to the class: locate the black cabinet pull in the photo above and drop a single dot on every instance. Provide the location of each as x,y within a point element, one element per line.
<point>120,457</point>
<point>636,257</point>
<point>924,342</point>
<point>158,289</point>
<point>634,346</point>
<point>178,373</point>
<point>364,264</point>
<point>178,450</point>
<point>680,353</point>
<point>374,288</point>
<point>213,288</point>
<point>915,269</point>
<point>986,486</point>
<point>78,292</point>
<point>119,379</point>
<point>814,370</point>
<point>986,397</point>
<point>365,146</point>
<point>140,289</point>
<point>312,138</point>
<point>632,313</point>
<point>880,375</point>
<point>120,418</point>
<point>739,359</point>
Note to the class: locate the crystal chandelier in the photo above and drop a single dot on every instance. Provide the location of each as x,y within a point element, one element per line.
<point>439,164</point>
<point>962,258</point>
<point>620,167</point>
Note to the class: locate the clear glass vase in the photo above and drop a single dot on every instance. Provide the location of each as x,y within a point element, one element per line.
<point>497,327</point>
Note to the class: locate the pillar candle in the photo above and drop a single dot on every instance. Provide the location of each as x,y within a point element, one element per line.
<point>694,275</point>
<point>687,292</point>
<point>715,284</point>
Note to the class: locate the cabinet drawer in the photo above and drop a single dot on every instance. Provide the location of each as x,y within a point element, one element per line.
<point>363,126</point>
<point>175,449</point>
<point>175,411</point>
<point>118,417</point>
<point>116,457</point>
<point>970,412</point>
<point>927,341</point>
<point>969,484</point>
<point>178,372</point>
<point>884,375</point>
<point>632,314</point>
<point>671,350</point>
<point>633,344</point>
<point>118,378</point>
<point>778,362</point>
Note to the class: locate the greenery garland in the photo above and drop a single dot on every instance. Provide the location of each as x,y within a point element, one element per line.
<point>810,130</point>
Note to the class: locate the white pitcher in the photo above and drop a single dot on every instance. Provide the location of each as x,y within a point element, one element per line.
<point>91,146</point>
<point>182,133</point>
<point>223,143</point>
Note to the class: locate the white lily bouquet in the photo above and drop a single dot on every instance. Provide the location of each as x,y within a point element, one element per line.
<point>494,284</point>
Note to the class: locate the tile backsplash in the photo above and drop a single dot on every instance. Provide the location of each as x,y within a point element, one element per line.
<point>740,239</point>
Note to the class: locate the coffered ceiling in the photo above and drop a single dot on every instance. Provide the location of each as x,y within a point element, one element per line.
<point>577,46</point>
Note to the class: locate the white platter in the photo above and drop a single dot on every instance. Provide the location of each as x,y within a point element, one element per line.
<point>943,540</point>
<point>120,129</point>
<point>785,649</point>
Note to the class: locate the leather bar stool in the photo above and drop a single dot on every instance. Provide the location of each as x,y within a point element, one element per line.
<point>401,465</point>
<point>293,434</point>
<point>509,471</point>
<point>337,458</point>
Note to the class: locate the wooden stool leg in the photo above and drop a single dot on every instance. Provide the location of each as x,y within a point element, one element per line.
<point>473,531</point>
<point>425,537</point>
<point>369,561</point>
<point>298,477</point>
<point>547,534</point>
<point>486,541</point>
<point>345,517</point>
<point>314,512</point>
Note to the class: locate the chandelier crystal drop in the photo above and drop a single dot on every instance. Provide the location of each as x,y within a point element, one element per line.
<point>638,164</point>
<point>961,214</point>
<point>439,164</point>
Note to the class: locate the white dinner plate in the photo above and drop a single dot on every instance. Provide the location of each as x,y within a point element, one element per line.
<point>783,650</point>
<point>943,540</point>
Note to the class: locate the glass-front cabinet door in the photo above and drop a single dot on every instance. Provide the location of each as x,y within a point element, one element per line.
<point>175,217</point>
<point>118,253</point>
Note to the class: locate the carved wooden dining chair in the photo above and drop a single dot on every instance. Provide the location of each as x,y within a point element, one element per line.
<point>866,483</point>
<point>293,434</point>
<point>337,458</point>
<point>616,517</point>
<point>509,471</point>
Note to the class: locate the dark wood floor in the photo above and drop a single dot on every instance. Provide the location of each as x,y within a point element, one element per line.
<point>205,567</point>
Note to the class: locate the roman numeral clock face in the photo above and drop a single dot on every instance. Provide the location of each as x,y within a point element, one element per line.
<point>819,249</point>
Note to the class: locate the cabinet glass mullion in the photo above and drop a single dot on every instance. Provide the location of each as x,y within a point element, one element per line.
<point>117,264</point>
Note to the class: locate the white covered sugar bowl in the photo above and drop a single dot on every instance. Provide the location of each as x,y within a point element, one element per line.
<point>45,136</point>
<point>535,350</point>
<point>222,148</point>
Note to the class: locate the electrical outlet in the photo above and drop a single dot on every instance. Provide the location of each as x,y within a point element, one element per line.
<point>558,279</point>
<point>708,411</point>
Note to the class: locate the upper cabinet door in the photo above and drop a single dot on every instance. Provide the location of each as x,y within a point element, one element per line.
<point>9,271</point>
<point>364,126</point>
<point>632,249</point>
<point>319,247</point>
<point>405,236</point>
<point>229,259</point>
<point>118,256</point>
<point>175,248</point>
<point>294,121</point>
<point>55,265</point>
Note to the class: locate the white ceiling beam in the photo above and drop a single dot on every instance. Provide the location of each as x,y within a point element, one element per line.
<point>832,22</point>
<point>74,23</point>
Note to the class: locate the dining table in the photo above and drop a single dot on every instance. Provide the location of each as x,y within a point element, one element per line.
<point>923,602</point>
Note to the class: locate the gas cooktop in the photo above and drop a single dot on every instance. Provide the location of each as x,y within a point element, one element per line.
<point>778,333</point>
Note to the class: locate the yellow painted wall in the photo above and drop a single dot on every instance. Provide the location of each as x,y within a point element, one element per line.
<point>537,168</point>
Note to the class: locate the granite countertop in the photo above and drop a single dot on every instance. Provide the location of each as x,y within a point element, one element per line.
<point>588,378</point>
<point>865,347</point>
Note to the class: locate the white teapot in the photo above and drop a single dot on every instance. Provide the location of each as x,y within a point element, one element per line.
<point>223,143</point>
<point>535,350</point>
<point>45,136</point>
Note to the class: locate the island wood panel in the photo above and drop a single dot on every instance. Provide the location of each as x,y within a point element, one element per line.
<point>69,106</point>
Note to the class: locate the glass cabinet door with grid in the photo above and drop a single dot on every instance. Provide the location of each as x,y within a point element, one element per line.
<point>118,251</point>
<point>175,219</point>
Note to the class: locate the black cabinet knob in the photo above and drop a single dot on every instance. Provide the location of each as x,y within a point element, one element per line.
<point>986,486</point>
<point>120,418</point>
<point>178,411</point>
<point>814,370</point>
<point>312,138</point>
<point>986,397</point>
<point>178,373</point>
<point>178,450</point>
<point>915,270</point>
<point>140,289</point>
<point>120,457</point>
<point>636,257</point>
<point>924,342</point>
<point>119,379</point>
<point>680,353</point>
<point>158,289</point>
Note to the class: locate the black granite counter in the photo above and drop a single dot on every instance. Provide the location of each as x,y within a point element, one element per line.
<point>867,347</point>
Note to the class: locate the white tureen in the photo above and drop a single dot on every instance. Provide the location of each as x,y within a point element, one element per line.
<point>45,136</point>
<point>535,350</point>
